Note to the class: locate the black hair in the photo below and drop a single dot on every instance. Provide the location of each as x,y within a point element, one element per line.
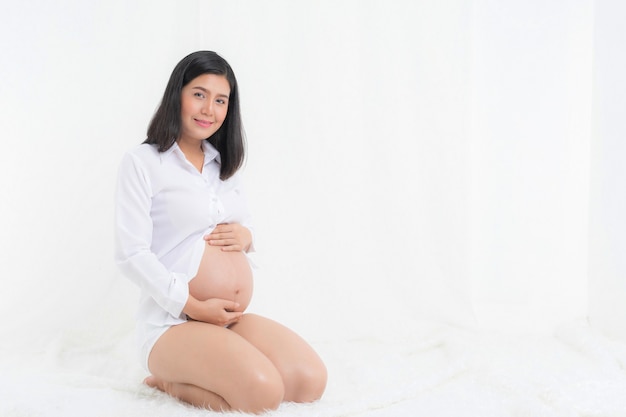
<point>165,126</point>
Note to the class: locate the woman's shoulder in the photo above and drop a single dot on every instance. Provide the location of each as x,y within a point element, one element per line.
<point>144,151</point>
<point>140,157</point>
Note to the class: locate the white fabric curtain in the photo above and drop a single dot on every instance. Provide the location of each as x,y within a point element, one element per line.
<point>408,161</point>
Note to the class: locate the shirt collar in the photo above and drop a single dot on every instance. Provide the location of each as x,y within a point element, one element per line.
<point>210,153</point>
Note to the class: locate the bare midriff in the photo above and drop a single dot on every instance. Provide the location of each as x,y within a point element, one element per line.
<point>225,275</point>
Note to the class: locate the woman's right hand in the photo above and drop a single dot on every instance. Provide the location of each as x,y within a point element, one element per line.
<point>214,311</point>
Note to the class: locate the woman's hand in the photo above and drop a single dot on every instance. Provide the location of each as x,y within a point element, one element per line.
<point>214,311</point>
<point>232,237</point>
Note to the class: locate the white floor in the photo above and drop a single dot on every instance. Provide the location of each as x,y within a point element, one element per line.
<point>439,371</point>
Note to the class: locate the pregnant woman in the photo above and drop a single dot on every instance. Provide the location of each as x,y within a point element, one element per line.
<point>182,235</point>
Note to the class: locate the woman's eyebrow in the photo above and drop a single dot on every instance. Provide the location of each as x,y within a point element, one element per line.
<point>206,91</point>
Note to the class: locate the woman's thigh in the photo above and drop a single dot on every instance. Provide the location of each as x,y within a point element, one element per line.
<point>301,369</point>
<point>217,360</point>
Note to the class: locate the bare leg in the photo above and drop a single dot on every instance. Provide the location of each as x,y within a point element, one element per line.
<point>213,367</point>
<point>189,393</point>
<point>301,369</point>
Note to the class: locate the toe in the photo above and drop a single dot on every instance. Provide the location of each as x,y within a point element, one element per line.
<point>151,381</point>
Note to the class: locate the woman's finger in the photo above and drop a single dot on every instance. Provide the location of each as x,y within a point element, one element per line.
<point>223,228</point>
<point>222,242</point>
<point>231,248</point>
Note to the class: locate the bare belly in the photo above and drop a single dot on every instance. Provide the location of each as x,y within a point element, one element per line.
<point>225,275</point>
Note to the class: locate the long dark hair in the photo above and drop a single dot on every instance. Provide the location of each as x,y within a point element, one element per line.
<point>165,126</point>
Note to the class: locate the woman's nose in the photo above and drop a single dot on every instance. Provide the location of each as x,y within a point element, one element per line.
<point>208,107</point>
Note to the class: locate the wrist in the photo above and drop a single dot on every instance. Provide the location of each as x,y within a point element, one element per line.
<point>191,307</point>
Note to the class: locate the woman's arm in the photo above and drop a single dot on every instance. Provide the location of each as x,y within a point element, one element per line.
<point>133,237</point>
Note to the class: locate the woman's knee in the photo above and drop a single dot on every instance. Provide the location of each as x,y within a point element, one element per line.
<point>306,382</point>
<point>264,390</point>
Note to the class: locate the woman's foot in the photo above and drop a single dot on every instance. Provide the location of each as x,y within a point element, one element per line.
<point>153,382</point>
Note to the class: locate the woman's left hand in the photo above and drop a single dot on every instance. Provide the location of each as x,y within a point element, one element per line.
<point>232,237</point>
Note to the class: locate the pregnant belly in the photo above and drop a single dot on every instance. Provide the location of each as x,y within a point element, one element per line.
<point>225,275</point>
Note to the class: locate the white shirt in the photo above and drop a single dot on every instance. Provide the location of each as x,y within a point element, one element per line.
<point>164,207</point>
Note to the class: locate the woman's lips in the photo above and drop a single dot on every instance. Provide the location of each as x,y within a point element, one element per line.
<point>203,123</point>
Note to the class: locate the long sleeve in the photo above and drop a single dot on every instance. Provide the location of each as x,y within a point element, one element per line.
<point>133,238</point>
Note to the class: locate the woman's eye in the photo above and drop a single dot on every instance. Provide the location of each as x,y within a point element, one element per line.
<point>199,95</point>
<point>221,101</point>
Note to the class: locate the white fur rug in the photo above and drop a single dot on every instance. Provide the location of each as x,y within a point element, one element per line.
<point>438,371</point>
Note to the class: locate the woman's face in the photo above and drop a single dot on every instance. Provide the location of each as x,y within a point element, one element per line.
<point>204,104</point>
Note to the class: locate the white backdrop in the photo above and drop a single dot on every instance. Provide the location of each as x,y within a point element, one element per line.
<point>532,77</point>
<point>407,161</point>
<point>607,283</point>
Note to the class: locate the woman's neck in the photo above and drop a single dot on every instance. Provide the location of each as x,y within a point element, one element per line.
<point>193,153</point>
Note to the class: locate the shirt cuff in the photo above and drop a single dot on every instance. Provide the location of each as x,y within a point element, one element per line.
<point>178,295</point>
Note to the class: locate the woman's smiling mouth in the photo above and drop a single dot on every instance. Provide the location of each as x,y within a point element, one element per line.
<point>203,123</point>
